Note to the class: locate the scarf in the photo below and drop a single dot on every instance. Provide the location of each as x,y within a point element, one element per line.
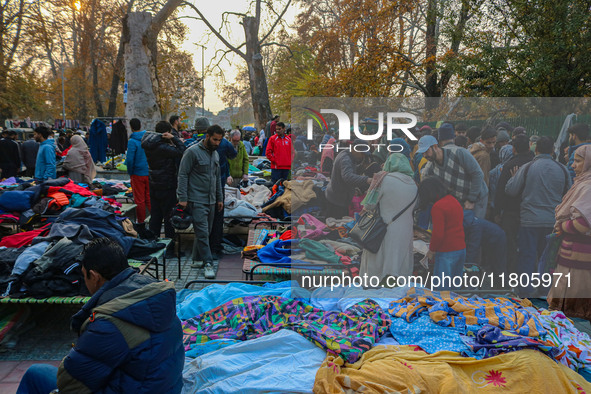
<point>396,162</point>
<point>577,202</point>
<point>79,159</point>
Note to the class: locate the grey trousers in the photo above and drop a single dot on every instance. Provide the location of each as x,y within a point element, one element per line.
<point>202,223</point>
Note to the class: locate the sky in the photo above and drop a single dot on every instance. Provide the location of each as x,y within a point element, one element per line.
<point>198,34</point>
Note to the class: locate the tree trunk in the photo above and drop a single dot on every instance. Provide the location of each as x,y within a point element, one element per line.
<point>256,73</point>
<point>431,84</point>
<point>140,70</point>
<point>95,90</point>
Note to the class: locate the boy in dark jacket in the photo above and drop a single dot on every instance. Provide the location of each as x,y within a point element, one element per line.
<point>163,151</point>
<point>130,340</point>
<point>138,170</point>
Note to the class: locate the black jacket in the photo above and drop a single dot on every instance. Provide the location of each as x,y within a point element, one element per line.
<point>29,150</point>
<point>10,157</point>
<point>163,158</point>
<point>503,201</point>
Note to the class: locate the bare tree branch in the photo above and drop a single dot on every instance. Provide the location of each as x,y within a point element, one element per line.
<point>216,33</point>
<point>164,13</point>
<point>234,13</point>
<point>276,22</point>
<point>279,45</point>
<point>18,33</point>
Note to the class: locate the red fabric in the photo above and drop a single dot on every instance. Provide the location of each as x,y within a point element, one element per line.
<point>23,239</point>
<point>71,188</point>
<point>280,151</point>
<point>286,235</point>
<point>140,186</point>
<point>65,152</point>
<point>447,217</point>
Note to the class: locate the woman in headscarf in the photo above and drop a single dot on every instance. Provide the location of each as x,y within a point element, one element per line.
<point>573,219</point>
<point>79,162</point>
<point>392,190</point>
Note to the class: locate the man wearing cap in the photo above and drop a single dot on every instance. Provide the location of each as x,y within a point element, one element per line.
<point>459,171</point>
<point>344,179</point>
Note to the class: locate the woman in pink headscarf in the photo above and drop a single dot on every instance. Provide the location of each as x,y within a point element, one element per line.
<point>573,219</point>
<point>79,163</point>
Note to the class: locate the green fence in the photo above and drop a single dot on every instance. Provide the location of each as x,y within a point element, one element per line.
<point>546,125</point>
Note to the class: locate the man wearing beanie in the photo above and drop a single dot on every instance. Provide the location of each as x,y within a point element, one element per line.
<point>446,134</point>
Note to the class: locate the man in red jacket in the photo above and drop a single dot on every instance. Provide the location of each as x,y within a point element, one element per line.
<point>280,152</point>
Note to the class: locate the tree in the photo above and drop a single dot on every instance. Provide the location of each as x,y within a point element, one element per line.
<point>11,23</point>
<point>530,48</point>
<point>254,43</point>
<point>141,32</point>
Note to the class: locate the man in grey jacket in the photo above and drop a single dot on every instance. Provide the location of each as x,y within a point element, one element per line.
<point>200,188</point>
<point>541,183</point>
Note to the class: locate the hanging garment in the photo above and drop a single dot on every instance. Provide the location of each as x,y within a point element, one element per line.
<point>97,141</point>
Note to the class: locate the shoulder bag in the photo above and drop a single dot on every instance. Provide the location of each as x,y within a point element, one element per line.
<point>369,230</point>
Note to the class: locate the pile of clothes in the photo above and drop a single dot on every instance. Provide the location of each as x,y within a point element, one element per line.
<point>44,262</point>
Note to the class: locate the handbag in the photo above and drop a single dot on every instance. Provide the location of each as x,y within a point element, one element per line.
<point>369,229</point>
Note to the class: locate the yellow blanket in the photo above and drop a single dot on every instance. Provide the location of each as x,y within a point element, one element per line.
<point>407,369</point>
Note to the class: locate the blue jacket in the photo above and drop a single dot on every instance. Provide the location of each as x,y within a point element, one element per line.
<point>135,159</point>
<point>130,340</point>
<point>225,151</point>
<point>571,158</point>
<point>45,164</point>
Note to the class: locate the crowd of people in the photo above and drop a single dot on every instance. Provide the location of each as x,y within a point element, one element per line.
<point>491,196</point>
